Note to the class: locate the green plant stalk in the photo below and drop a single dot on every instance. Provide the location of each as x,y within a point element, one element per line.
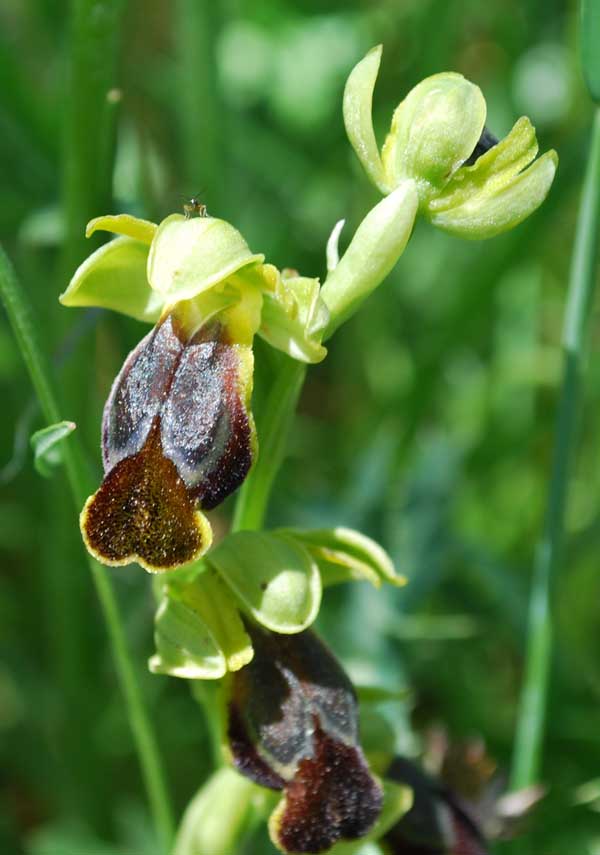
<point>21,318</point>
<point>532,711</point>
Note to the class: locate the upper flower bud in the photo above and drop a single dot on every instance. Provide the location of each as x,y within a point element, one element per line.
<point>435,132</point>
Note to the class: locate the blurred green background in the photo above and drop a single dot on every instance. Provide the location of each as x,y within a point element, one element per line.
<point>429,426</point>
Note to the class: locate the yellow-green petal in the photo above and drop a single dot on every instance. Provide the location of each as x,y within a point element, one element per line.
<point>114,277</point>
<point>188,257</point>
<point>358,103</point>
<point>125,225</point>
<point>434,130</point>
<point>274,579</point>
<point>486,214</point>
<point>294,317</point>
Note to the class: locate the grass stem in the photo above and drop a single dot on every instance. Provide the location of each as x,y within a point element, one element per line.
<point>21,318</point>
<point>533,702</point>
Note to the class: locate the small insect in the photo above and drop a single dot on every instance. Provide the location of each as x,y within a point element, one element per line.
<point>194,208</point>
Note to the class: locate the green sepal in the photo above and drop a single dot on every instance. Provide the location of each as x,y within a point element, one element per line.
<point>397,801</point>
<point>294,317</point>
<point>188,257</point>
<point>273,577</point>
<point>433,132</point>
<point>358,106</point>
<point>490,211</point>
<point>125,225</point>
<point>220,814</point>
<point>46,445</point>
<point>114,277</point>
<point>491,172</point>
<point>346,555</point>
<point>198,632</point>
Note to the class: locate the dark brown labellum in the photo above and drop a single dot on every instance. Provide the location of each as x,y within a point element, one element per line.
<point>293,726</point>
<point>176,431</point>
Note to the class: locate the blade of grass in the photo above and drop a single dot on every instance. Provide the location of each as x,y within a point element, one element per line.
<point>21,319</point>
<point>533,702</point>
<point>89,128</point>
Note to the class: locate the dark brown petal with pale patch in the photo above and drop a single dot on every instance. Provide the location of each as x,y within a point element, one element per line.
<point>293,726</point>
<point>437,823</point>
<point>138,393</point>
<point>143,512</point>
<point>206,429</point>
<point>198,389</point>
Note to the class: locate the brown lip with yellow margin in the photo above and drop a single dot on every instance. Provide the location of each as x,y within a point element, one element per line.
<point>176,433</point>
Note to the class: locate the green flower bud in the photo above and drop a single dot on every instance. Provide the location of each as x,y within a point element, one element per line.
<point>434,135</point>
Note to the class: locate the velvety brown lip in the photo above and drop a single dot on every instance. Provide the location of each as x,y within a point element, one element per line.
<point>143,512</point>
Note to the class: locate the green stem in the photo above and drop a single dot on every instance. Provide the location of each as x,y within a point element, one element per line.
<point>273,429</point>
<point>532,712</point>
<point>21,318</point>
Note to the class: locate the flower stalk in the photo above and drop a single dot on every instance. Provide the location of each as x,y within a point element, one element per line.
<point>532,711</point>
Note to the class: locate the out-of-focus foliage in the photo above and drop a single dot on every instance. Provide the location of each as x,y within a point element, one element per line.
<point>429,425</point>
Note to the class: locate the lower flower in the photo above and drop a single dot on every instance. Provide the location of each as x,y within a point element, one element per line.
<point>292,726</point>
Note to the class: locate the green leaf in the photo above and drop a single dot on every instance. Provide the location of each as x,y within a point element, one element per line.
<point>346,555</point>
<point>198,632</point>
<point>274,578</point>
<point>47,453</point>
<point>114,277</point>
<point>590,46</point>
